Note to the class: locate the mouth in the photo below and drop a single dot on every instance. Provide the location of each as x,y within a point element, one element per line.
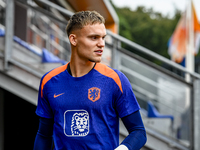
<point>99,51</point>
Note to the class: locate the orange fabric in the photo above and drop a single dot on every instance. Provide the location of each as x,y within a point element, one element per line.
<point>177,48</point>
<point>179,40</point>
<point>196,23</point>
<point>51,74</point>
<point>103,69</point>
<point>196,30</point>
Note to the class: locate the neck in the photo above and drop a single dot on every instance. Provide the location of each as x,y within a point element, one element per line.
<point>80,69</point>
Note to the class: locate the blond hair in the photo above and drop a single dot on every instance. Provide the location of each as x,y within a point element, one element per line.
<point>83,18</point>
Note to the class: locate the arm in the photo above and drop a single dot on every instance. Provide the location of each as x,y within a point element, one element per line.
<point>137,134</point>
<point>43,139</point>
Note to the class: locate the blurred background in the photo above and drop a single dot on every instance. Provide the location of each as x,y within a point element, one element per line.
<point>155,44</point>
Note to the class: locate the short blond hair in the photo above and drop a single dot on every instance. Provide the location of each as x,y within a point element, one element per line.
<point>83,18</point>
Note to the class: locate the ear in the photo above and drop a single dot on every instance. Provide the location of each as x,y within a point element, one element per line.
<point>72,39</point>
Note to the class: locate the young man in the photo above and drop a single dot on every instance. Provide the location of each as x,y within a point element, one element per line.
<point>81,102</point>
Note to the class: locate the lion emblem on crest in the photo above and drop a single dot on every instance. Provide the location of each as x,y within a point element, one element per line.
<point>94,94</point>
<point>80,124</point>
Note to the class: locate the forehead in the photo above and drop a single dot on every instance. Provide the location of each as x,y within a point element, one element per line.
<point>97,28</point>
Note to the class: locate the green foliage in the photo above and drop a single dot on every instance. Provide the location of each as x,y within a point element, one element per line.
<point>147,28</point>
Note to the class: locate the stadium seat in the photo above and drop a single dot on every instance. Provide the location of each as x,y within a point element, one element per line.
<point>152,112</point>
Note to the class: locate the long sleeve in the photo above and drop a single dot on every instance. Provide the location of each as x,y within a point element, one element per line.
<point>43,139</point>
<point>137,134</point>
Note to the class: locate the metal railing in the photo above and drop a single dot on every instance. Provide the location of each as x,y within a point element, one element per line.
<point>169,91</point>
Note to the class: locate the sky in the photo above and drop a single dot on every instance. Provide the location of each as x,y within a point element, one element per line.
<point>163,6</point>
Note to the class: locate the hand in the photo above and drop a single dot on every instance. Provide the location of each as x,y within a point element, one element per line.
<point>121,147</point>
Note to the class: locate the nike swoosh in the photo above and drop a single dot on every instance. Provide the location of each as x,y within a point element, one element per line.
<point>57,95</point>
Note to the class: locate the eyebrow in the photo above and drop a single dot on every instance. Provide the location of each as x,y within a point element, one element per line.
<point>96,35</point>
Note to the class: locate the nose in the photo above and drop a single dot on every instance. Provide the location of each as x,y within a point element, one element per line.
<point>101,43</point>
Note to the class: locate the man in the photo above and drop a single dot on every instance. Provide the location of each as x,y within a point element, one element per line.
<point>81,102</point>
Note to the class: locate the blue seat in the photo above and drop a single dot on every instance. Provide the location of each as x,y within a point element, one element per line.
<point>153,112</point>
<point>2,32</point>
<point>48,57</point>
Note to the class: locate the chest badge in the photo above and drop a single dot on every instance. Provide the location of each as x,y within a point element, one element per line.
<point>94,94</point>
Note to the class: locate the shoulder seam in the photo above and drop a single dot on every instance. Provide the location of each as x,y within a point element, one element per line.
<point>109,72</point>
<point>50,75</point>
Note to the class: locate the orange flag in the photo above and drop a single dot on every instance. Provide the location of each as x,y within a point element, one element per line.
<point>179,39</point>
<point>196,30</point>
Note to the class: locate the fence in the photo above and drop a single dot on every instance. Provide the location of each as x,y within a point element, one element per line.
<point>168,90</point>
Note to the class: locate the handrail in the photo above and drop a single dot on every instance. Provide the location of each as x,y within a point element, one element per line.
<point>48,3</point>
<point>124,40</point>
<point>152,54</point>
<point>129,42</point>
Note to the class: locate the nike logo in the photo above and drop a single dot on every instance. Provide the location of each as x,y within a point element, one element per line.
<point>57,95</point>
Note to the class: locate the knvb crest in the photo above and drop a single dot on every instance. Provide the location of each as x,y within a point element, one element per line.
<point>94,94</point>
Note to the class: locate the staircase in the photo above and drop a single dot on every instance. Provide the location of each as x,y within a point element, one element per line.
<point>21,68</point>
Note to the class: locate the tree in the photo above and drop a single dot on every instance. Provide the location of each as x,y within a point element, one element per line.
<point>147,28</point>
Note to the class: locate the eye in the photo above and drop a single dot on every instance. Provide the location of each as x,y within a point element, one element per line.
<point>94,37</point>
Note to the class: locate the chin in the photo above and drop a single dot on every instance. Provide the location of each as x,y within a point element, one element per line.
<point>96,61</point>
